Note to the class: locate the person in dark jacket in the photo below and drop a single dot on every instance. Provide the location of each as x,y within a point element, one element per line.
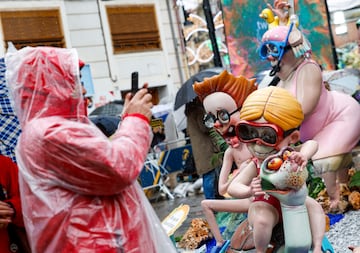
<point>203,148</point>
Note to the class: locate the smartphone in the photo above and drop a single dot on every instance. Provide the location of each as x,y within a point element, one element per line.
<point>134,82</point>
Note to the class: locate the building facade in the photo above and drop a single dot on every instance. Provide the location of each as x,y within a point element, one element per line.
<point>115,38</point>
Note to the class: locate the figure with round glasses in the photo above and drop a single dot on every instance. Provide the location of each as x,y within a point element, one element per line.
<point>332,118</point>
<point>222,96</point>
<point>206,151</point>
<point>270,121</point>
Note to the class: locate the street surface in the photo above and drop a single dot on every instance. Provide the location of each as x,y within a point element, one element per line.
<point>164,207</point>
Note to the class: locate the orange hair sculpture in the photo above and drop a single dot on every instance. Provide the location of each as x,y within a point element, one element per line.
<point>237,87</point>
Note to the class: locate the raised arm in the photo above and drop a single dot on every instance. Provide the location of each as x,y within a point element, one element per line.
<point>240,186</point>
<point>224,181</point>
<point>80,158</point>
<point>309,84</point>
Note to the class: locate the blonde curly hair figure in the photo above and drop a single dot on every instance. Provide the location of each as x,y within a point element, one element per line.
<point>276,106</point>
<point>270,118</point>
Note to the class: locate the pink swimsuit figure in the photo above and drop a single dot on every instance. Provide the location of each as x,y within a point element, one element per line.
<point>334,123</point>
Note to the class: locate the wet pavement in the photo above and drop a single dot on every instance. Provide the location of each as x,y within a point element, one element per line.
<point>164,207</point>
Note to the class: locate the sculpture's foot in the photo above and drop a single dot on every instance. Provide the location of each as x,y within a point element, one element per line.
<point>316,251</point>
<point>334,206</point>
<point>354,249</point>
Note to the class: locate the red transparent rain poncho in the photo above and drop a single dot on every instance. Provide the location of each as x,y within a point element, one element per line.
<point>79,189</point>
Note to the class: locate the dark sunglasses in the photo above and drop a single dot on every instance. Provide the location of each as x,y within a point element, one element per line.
<point>223,116</point>
<point>265,133</point>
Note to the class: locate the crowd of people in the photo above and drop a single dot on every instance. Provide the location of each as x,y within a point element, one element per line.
<point>75,190</point>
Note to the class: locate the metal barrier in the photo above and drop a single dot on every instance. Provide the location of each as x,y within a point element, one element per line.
<point>163,161</point>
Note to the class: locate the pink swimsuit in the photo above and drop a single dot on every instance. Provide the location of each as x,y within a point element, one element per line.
<point>334,123</point>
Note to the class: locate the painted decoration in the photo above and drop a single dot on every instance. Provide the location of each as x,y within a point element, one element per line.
<point>244,29</point>
<point>175,219</point>
<point>197,43</point>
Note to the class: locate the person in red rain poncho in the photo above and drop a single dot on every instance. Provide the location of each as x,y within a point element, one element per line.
<point>79,189</point>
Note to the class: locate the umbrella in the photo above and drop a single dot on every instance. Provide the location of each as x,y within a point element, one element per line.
<point>113,108</point>
<point>342,80</point>
<point>186,93</point>
<point>161,111</point>
<point>107,124</point>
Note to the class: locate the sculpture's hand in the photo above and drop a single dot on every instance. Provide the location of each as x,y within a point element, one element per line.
<point>298,160</point>
<point>281,9</point>
<point>255,187</point>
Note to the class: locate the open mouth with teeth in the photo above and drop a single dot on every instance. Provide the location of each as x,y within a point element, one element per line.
<point>263,155</point>
<point>230,136</point>
<point>273,63</point>
<point>267,186</point>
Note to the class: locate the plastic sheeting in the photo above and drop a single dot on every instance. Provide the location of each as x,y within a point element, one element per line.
<point>79,189</point>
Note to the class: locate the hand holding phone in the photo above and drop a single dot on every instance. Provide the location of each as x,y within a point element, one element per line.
<point>134,82</point>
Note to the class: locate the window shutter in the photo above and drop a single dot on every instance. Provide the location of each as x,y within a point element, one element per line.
<point>133,28</point>
<point>32,28</point>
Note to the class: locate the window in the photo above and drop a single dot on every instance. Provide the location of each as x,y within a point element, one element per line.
<point>32,28</point>
<point>133,28</point>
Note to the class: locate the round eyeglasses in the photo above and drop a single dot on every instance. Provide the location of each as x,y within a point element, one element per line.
<point>223,116</point>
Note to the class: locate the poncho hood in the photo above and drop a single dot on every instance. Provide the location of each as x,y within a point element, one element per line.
<point>45,82</point>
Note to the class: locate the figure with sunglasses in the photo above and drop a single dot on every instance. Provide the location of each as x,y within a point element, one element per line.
<point>331,118</point>
<point>270,119</point>
<point>222,97</point>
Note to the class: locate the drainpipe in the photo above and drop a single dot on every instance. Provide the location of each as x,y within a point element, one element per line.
<point>178,62</point>
<point>113,79</point>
